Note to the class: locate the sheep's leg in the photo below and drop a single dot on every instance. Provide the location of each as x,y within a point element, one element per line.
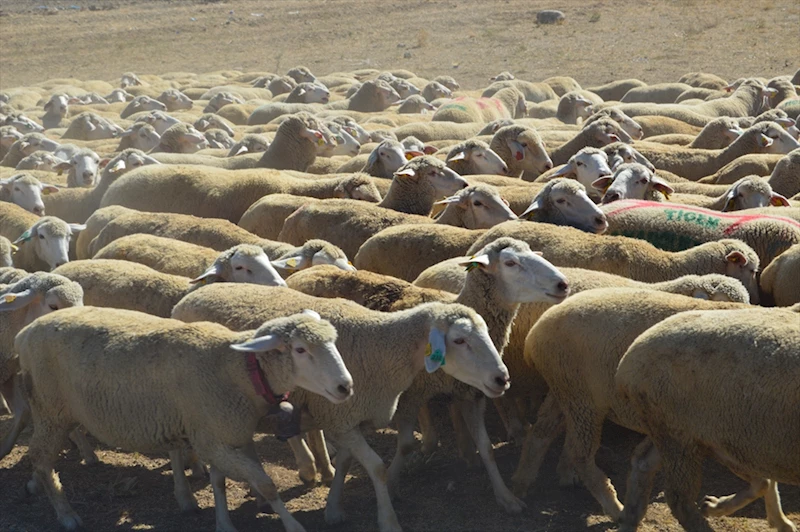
<point>683,475</point>
<point>644,463</point>
<point>430,436</point>
<point>775,515</point>
<point>306,468</point>
<point>7,395</point>
<point>583,439</point>
<point>356,444</point>
<point>21,411</point>
<point>195,464</point>
<point>473,413</point>
<point>78,437</point>
<point>46,443</point>
<point>319,448</point>
<point>719,506</point>
<point>464,438</point>
<point>181,488</point>
<point>565,470</point>
<point>333,507</point>
<point>513,420</point>
<point>236,464</point>
<point>250,451</point>
<point>405,446</point>
<point>549,424</point>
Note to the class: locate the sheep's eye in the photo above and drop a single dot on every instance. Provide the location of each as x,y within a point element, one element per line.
<point>643,181</point>
<point>458,341</point>
<point>53,307</point>
<point>249,271</point>
<point>524,144</point>
<point>300,350</point>
<point>16,189</point>
<point>578,163</point>
<point>41,237</point>
<point>477,203</point>
<point>510,263</point>
<point>238,268</point>
<point>561,201</point>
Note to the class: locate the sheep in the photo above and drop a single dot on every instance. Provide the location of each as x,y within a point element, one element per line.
<point>750,164</point>
<point>218,139</point>
<point>175,100</point>
<point>505,103</point>
<point>404,337</point>
<point>249,143</point>
<point>118,96</point>
<point>632,180</point>
<point>43,161</point>
<point>23,124</point>
<point>414,104</point>
<point>372,97</point>
<point>572,107</point>
<point>43,242</point>
<point>405,89</point>
<point>23,300</point>
<point>159,120</point>
<point>8,136</point>
<point>56,110</point>
<point>220,100</point>
<point>779,279</point>
<point>716,135</point>
<point>596,135</point>
<point>141,136</point>
<point>703,80</point>
<point>448,81</point>
<point>295,144</point>
<point>142,103</point>
<point>301,74</point>
<point>77,204</point>
<point>432,131</point>
<point>91,126</point>
<point>521,148</point>
<point>745,349</point>
<point>785,177</point>
<point>385,159</point>
<point>129,79</point>
<point>586,166</point>
<point>579,371</point>
<point>550,16</point>
<point>475,157</point>
<point>494,291</point>
<point>210,120</point>
<point>281,85</point>
<point>29,143</point>
<point>766,137</point>
<point>26,191</point>
<point>676,227</point>
<point>346,144</point>
<point>564,84</point>
<point>657,93</point>
<point>82,168</point>
<point>748,193</point>
<point>220,193</point>
<point>434,91</point>
<point>662,125</point>
<point>308,93</point>
<point>6,250</point>
<point>181,138</point>
<point>352,127</point>
<point>565,202</point>
<point>503,76</point>
<point>94,224</point>
<point>172,417</point>
<point>533,92</point>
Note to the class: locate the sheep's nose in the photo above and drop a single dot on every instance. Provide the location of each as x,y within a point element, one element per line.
<point>60,264</point>
<point>39,210</point>
<point>608,198</point>
<point>345,390</point>
<point>548,165</point>
<point>502,381</point>
<point>505,169</point>
<point>563,286</point>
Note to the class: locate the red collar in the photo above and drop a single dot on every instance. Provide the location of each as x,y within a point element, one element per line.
<point>260,382</point>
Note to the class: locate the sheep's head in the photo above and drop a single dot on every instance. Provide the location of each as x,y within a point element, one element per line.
<point>314,252</point>
<point>141,104</point>
<point>523,275</point>
<point>503,76</point>
<point>218,139</point>
<point>250,143</point>
<point>50,238</point>
<point>82,168</point>
<point>477,155</point>
<point>32,142</point>
<point>628,124</point>
<point>310,341</point>
<point>435,90</point>
<point>573,103</point>
<point>740,262</point>
<point>604,131</point>
<point>26,191</point>
<point>175,100</point>
<point>621,153</point>
<point>358,187</point>
<point>482,206</point>
<point>141,135</point>
<point>769,137</point>
<point>521,147</point>
<point>23,124</point>
<point>379,92</point>
<point>565,202</point>
<point>354,128</point>
<point>8,136</point>
<point>311,93</point>
<point>415,104</point>
<point>220,100</point>
<point>160,120</point>
<point>210,120</point>
<point>430,173</point>
<point>43,161</point>
<point>261,82</point>
<point>127,160</point>
<point>414,147</point>
<point>346,143</point>
<point>91,126</point>
<point>751,192</point>
<point>448,82</point>
<point>119,96</point>
<point>404,88</point>
<point>632,181</point>
<point>281,85</point>
<point>129,79</point>
<point>301,74</point>
<point>587,166</point>
<point>492,127</point>
<point>41,293</point>
<point>57,105</point>
<point>183,138</point>
<point>241,264</point>
<point>725,126</point>
<point>385,159</point>
<point>713,287</point>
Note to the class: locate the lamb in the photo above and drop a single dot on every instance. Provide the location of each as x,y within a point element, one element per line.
<point>676,227</point>
<point>632,180</point>
<point>141,136</point>
<point>550,16</point>
<point>716,135</point>
<point>140,104</point>
<point>249,143</point>
<point>785,177</point>
<point>220,193</point>
<point>493,291</point>
<point>748,193</point>
<point>181,138</point>
<point>779,279</point>
<point>82,168</point>
<point>43,242</point>
<point>175,100</point>
<point>91,126</point>
<point>414,104</point>
<point>631,127</point>
<point>26,191</point>
<point>220,100</point>
<point>521,148</point>
<point>598,134</point>
<point>435,90</point>
<point>565,202</point>
<point>295,144</point>
<point>766,137</point>
<point>25,146</point>
<point>533,92</point>
<point>77,204</point>
<point>753,349</point>
<point>475,157</point>
<point>6,250</point>
<point>218,139</point>
<point>580,376</point>
<point>372,97</point>
<point>210,120</point>
<point>505,103</point>
<point>43,161</point>
<point>172,417</point>
<point>404,336</point>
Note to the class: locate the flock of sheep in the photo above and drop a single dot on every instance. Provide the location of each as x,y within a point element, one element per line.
<point>175,260</point>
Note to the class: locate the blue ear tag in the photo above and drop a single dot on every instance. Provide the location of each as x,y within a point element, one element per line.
<point>434,353</point>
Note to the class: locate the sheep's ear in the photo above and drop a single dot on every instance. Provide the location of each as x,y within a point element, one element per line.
<point>259,344</point>
<point>436,350</point>
<point>410,154</point>
<point>127,133</point>
<point>662,186</point>
<point>778,200</point>
<point>405,172</point>
<point>77,228</point>
<point>117,166</point>
<point>736,257</point>
<point>242,149</point>
<point>49,189</point>
<point>532,208</point>
<point>736,132</point>
<point>295,263</point>
<point>215,270</point>
<point>301,91</point>
<point>48,105</point>
<point>567,169</point>
<point>314,314</point>
<point>26,236</point>
<point>765,141</point>
<point>430,150</point>
<point>63,167</point>
<point>448,200</point>
<point>603,183</point>
<point>480,261</point>
<point>90,125</point>
<point>13,301</point>
<point>517,150</point>
<point>313,135</point>
<point>460,156</point>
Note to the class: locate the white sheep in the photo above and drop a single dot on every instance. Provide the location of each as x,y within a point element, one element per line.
<point>22,123</point>
<point>301,74</point>
<point>505,103</point>
<point>459,336</point>
<point>632,181</point>
<point>373,96</point>
<point>140,104</point>
<point>175,100</point>
<point>180,138</point>
<point>26,191</point>
<point>522,150</point>
<point>82,168</point>
<point>704,408</point>
<point>565,202</point>
<point>25,146</point>
<point>475,157</point>
<point>43,161</point>
<point>631,127</point>
<point>749,192</point>
<point>91,126</point>
<point>249,143</point>
<point>211,120</point>
<point>295,351</point>
<point>43,242</point>
<point>8,136</point>
<point>160,120</point>
<point>779,279</point>
<point>119,96</point>
<point>414,104</point>
<point>586,166</point>
<point>56,110</point>
<point>218,139</point>
<point>785,177</point>
<point>308,92</point>
<point>141,136</point>
<point>220,100</point>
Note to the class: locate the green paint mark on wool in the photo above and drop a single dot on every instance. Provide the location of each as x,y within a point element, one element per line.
<point>703,220</point>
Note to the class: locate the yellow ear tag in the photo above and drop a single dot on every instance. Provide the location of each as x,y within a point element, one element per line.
<point>9,298</point>
<point>349,263</point>
<point>292,263</point>
<point>731,203</point>
<point>45,192</point>
<point>409,156</point>
<point>14,248</point>
<point>320,141</point>
<point>666,195</point>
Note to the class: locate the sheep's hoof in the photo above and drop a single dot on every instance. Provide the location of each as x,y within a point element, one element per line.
<point>70,521</point>
<point>519,489</point>
<point>189,506</point>
<point>334,516</point>
<point>32,487</point>
<point>327,476</point>
<point>709,505</point>
<point>91,459</point>
<point>568,479</point>
<point>511,504</point>
<point>199,470</point>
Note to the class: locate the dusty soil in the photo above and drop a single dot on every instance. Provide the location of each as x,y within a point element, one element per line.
<point>654,40</point>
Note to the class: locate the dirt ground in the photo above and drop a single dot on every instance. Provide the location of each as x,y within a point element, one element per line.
<point>654,40</point>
